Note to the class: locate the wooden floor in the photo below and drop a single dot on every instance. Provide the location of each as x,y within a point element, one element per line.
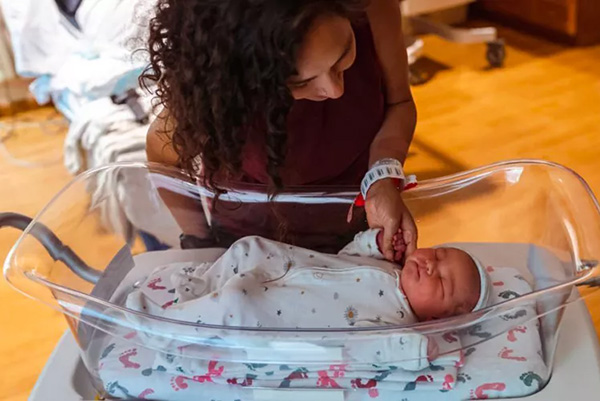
<point>544,104</point>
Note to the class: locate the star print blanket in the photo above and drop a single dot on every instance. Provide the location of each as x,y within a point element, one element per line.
<point>259,283</point>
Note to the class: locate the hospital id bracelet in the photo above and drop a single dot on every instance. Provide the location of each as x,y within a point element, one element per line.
<point>384,168</point>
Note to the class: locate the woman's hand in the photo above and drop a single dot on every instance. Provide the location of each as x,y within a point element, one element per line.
<point>398,244</point>
<point>386,209</point>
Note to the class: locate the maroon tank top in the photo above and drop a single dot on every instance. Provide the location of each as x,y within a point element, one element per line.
<point>329,141</point>
<point>328,144</point>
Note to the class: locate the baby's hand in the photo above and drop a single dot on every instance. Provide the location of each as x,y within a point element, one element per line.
<point>398,244</point>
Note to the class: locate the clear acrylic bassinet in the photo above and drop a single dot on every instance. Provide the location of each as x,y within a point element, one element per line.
<point>535,217</point>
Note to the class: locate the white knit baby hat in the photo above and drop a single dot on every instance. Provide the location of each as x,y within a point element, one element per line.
<point>485,282</point>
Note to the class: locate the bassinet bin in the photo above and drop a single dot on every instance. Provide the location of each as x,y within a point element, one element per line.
<point>535,225</point>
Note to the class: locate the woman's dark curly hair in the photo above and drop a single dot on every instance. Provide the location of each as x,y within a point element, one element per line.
<point>221,66</point>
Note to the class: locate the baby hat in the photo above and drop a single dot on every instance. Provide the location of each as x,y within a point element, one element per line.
<point>485,285</point>
<point>485,282</point>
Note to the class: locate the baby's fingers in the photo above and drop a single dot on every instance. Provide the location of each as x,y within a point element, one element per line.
<point>399,247</point>
<point>398,256</point>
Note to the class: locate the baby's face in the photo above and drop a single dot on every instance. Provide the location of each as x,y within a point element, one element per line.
<point>440,282</point>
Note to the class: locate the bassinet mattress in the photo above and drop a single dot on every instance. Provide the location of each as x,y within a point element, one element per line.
<point>503,367</point>
<point>509,365</point>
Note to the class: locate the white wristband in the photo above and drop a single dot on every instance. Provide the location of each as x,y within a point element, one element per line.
<point>384,168</point>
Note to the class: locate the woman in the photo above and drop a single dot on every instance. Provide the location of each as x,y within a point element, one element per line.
<point>285,93</point>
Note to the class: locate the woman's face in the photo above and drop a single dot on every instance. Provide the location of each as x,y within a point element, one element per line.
<point>328,50</point>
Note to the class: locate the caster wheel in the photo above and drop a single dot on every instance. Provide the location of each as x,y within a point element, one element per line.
<point>496,53</point>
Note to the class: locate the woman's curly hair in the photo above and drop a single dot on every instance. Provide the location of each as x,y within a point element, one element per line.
<point>221,66</point>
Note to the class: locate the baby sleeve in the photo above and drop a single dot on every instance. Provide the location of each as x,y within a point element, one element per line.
<point>364,244</point>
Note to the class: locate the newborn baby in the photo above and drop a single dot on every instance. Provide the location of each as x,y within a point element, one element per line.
<point>263,283</point>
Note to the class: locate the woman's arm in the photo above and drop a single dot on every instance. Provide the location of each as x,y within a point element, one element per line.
<point>186,210</point>
<point>384,205</point>
<point>397,131</point>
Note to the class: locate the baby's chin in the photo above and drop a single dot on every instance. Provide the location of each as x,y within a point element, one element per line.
<point>408,280</point>
<point>408,286</point>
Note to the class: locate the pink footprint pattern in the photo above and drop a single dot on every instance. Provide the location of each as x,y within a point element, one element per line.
<point>246,383</point>
<point>153,285</point>
<point>450,337</point>
<point>168,304</point>
<point>424,379</point>
<point>369,385</point>
<point>212,372</point>
<point>145,393</point>
<point>448,382</point>
<point>507,353</point>
<point>479,392</point>
<point>325,381</point>
<point>125,359</point>
<point>511,333</point>
<point>179,382</point>
<point>338,371</point>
